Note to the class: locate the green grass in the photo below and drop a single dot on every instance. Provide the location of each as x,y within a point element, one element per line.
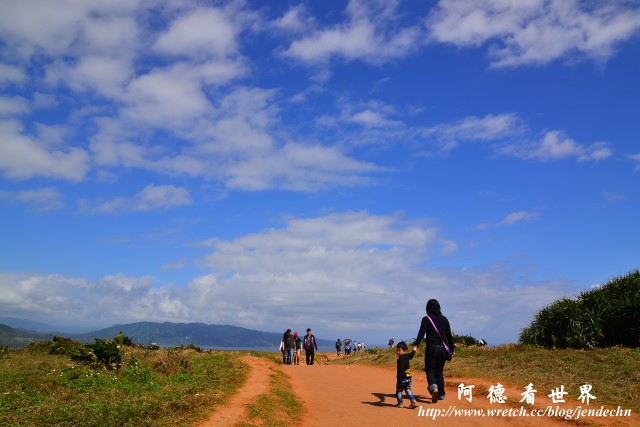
<point>278,407</point>
<point>613,372</point>
<point>153,388</point>
<point>181,387</point>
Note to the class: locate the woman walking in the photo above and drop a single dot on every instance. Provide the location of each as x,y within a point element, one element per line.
<point>439,348</point>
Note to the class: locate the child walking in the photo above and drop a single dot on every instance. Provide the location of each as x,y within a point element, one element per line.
<point>403,374</point>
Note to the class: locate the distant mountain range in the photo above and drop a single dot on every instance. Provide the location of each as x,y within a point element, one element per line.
<point>18,338</point>
<point>164,334</point>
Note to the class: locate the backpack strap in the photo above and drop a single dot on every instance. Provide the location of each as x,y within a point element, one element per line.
<point>438,332</point>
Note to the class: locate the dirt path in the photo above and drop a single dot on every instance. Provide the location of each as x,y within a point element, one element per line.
<point>235,410</point>
<point>365,395</point>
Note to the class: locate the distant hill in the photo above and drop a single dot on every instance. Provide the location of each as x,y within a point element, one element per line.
<point>169,334</point>
<point>29,325</point>
<point>32,326</point>
<point>18,338</point>
<point>164,334</point>
<point>200,334</point>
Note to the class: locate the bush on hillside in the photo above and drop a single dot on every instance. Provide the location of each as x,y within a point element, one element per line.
<point>467,340</point>
<point>603,317</point>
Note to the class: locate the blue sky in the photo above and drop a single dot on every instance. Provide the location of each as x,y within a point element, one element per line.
<point>330,165</point>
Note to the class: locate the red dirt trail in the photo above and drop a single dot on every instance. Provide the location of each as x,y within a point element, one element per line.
<point>361,395</point>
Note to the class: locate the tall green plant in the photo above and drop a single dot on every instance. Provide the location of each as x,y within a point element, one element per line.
<point>605,316</point>
<point>107,354</point>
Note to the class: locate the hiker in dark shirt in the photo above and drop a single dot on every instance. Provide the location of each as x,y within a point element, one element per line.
<point>310,346</point>
<point>286,345</point>
<point>439,348</point>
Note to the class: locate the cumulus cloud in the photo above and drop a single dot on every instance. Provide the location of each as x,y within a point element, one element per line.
<point>555,145</point>
<point>240,145</point>
<point>39,200</point>
<point>10,74</point>
<point>295,20</point>
<point>516,217</point>
<point>368,34</point>
<point>152,197</point>
<point>13,105</point>
<point>492,127</point>
<point>346,273</point>
<point>104,75</point>
<point>42,27</point>
<point>24,157</point>
<point>534,31</point>
<point>174,265</point>
<point>166,98</point>
<point>55,299</point>
<point>370,118</point>
<point>199,32</point>
<point>507,135</point>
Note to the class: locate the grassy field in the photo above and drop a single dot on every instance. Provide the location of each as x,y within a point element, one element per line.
<point>161,387</point>
<point>153,388</point>
<point>614,372</point>
<point>180,387</point>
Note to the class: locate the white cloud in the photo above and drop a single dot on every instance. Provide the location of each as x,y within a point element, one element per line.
<point>115,36</point>
<point>39,200</point>
<point>516,217</point>
<point>165,98</point>
<point>372,118</point>
<point>369,35</point>
<point>40,26</point>
<point>44,100</point>
<point>207,243</point>
<point>161,197</point>
<point>175,265</point>
<point>613,197</point>
<point>13,105</point>
<point>53,135</point>
<point>346,273</point>
<point>488,128</point>
<point>554,145</point>
<point>103,74</point>
<point>152,197</point>
<point>22,157</point>
<point>11,74</point>
<point>241,144</point>
<point>298,167</point>
<point>295,20</point>
<point>199,33</point>
<point>636,158</point>
<point>535,31</point>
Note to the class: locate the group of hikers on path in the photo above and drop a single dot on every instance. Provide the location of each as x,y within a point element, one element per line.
<point>348,346</point>
<point>292,343</point>
<point>435,330</point>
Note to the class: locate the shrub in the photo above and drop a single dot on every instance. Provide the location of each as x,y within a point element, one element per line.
<point>102,353</point>
<point>602,317</point>
<point>62,345</point>
<point>467,340</point>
